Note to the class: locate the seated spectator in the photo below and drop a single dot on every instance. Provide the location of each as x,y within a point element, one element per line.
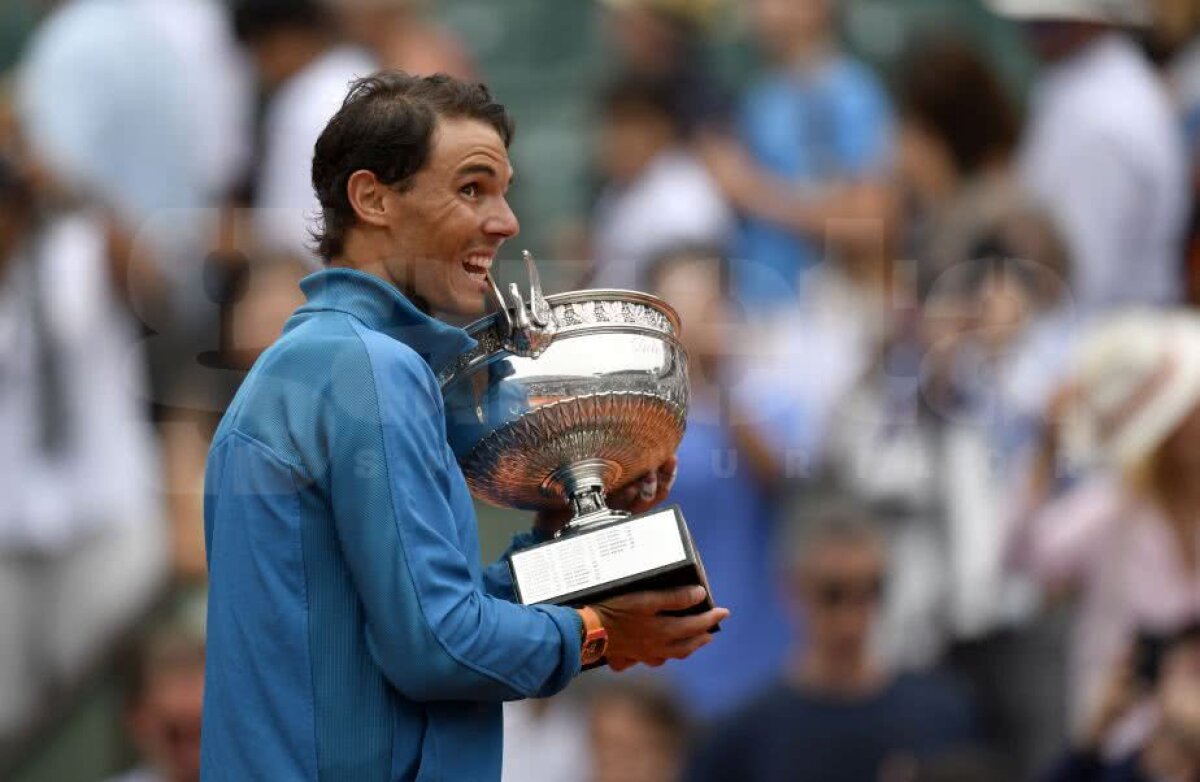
<point>1114,181</point>
<point>399,36</point>
<point>727,488</point>
<point>1127,539</point>
<point>546,738</point>
<point>837,713</point>
<point>1172,750</point>
<point>303,68</point>
<point>83,549</point>
<point>163,707</point>
<point>810,155</point>
<point>658,195</point>
<point>956,138</point>
<point>938,428</point>
<point>639,734</point>
<point>664,41</point>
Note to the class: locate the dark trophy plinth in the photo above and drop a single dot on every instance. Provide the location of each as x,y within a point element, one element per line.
<point>564,399</point>
<point>651,551</point>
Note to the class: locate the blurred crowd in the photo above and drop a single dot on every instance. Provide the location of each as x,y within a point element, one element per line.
<point>943,450</point>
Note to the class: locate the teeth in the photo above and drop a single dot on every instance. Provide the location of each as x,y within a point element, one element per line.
<point>478,265</point>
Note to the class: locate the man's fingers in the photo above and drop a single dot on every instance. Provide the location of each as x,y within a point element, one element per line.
<point>676,599</point>
<point>654,662</point>
<point>687,626</point>
<point>618,664</point>
<point>654,602</point>
<point>685,648</point>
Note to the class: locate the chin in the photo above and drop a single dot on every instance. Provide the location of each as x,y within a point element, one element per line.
<point>464,309</point>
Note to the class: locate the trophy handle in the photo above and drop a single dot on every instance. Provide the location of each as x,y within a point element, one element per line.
<point>527,329</point>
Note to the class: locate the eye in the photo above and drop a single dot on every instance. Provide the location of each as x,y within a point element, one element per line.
<point>470,191</point>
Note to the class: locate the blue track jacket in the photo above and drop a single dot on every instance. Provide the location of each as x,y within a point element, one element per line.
<point>352,632</point>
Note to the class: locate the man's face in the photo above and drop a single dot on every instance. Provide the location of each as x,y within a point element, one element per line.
<point>780,24</point>
<point>841,586</point>
<point>447,227</point>
<point>166,724</point>
<point>1052,40</point>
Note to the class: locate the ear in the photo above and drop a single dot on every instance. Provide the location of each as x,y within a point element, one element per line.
<point>366,195</point>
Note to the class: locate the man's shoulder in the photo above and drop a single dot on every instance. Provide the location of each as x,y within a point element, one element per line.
<point>935,694</point>
<point>333,352</point>
<point>766,707</point>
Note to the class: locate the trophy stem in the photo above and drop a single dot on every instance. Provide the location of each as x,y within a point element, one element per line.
<point>584,483</point>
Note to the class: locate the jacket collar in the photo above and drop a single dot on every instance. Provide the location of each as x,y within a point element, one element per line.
<point>381,307</point>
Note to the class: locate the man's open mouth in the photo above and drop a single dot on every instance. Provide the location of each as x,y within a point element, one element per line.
<point>477,266</point>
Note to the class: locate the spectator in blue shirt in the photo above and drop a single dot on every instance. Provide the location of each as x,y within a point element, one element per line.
<point>816,132</point>
<point>352,633</point>
<point>728,485</point>
<point>837,715</point>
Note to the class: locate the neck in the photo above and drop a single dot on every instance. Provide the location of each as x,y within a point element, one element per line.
<point>831,673</point>
<point>808,52</point>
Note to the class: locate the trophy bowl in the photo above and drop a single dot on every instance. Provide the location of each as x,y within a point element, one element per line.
<point>560,401</point>
<point>590,394</point>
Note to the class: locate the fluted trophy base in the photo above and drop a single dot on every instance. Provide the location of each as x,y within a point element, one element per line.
<point>590,563</point>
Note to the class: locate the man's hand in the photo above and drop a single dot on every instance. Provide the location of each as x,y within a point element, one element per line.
<point>638,633</point>
<point>640,496</point>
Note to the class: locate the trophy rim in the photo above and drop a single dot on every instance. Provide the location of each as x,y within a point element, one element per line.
<point>473,359</point>
<point>567,297</point>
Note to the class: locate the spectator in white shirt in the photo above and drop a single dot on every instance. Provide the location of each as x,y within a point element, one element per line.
<point>658,196</point>
<point>82,545</point>
<point>1104,152</point>
<point>305,70</point>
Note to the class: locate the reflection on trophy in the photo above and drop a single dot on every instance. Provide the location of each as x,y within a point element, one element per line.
<point>563,399</point>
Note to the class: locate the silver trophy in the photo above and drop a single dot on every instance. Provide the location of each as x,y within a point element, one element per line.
<point>565,398</point>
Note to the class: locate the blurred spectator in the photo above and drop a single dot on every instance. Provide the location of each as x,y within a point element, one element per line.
<point>399,37</point>
<point>546,739</point>
<point>816,132</point>
<point>726,486</point>
<point>639,734</point>
<point>838,714</point>
<point>957,135</point>
<point>163,708</point>
<point>938,428</point>
<point>141,107</point>
<point>967,766</point>
<point>658,195</point>
<point>82,546</point>
<point>164,130</point>
<point>305,71</point>
<point>662,42</point>
<point>1172,749</point>
<point>1177,39</point>
<point>1128,539</point>
<point>1116,181</point>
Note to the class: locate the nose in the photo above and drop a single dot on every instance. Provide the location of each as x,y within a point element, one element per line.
<point>502,223</point>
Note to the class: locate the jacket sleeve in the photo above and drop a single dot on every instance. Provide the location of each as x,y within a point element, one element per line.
<point>497,577</point>
<point>431,628</point>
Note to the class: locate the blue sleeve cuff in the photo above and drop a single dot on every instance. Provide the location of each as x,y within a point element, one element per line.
<point>570,626</point>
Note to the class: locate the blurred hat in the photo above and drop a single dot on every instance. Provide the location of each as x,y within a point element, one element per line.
<point>699,12</point>
<point>1133,13</point>
<point>1137,378</point>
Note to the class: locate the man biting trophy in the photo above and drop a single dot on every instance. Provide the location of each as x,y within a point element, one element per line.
<point>352,632</point>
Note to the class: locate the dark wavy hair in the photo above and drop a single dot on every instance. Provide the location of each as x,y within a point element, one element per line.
<point>947,86</point>
<point>386,126</point>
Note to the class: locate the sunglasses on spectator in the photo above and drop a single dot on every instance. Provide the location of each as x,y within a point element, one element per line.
<point>835,593</point>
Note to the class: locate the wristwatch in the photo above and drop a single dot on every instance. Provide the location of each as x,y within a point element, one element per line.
<point>595,637</point>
